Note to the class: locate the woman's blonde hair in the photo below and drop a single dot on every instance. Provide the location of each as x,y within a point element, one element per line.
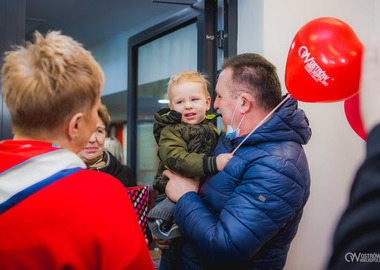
<point>104,116</point>
<point>187,76</point>
<point>48,81</point>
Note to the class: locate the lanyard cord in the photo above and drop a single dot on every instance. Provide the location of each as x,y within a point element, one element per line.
<point>262,121</point>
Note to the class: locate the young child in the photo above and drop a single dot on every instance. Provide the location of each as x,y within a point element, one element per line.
<point>186,138</point>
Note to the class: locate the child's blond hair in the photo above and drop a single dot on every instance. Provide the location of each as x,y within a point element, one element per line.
<point>187,76</point>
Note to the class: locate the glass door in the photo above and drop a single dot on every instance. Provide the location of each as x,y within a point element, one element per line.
<point>186,41</point>
<point>158,60</point>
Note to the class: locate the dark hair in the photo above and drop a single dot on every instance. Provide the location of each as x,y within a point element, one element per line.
<point>253,73</point>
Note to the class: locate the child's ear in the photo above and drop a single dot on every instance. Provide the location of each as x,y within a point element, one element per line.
<point>170,106</point>
<point>208,103</point>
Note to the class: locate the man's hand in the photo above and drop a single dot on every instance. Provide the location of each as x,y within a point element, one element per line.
<point>179,185</point>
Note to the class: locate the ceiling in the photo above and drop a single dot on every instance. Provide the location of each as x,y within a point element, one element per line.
<point>93,21</point>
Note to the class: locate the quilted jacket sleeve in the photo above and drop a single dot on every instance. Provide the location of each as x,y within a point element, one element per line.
<point>261,204</point>
<point>174,154</point>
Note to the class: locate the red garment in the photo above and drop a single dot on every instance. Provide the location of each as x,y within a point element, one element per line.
<point>84,220</point>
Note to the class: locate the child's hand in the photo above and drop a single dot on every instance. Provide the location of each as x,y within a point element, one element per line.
<point>161,244</point>
<point>222,160</point>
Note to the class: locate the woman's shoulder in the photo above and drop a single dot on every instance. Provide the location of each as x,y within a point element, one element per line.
<point>122,172</point>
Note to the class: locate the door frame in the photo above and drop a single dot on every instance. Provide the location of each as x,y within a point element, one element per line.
<point>204,14</point>
<point>12,32</point>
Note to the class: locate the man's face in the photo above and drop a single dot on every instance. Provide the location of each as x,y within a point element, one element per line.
<point>223,101</point>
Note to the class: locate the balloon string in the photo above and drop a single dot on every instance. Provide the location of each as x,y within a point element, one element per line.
<point>262,121</point>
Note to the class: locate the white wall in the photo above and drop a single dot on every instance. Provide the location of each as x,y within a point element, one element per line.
<point>335,151</point>
<point>250,26</point>
<point>112,55</point>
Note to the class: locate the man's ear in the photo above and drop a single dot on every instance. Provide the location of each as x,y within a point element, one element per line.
<point>75,125</point>
<point>246,103</point>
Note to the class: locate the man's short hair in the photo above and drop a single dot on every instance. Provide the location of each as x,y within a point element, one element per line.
<point>254,74</point>
<point>48,81</point>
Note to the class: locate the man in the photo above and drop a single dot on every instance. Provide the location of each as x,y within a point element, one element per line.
<point>246,216</point>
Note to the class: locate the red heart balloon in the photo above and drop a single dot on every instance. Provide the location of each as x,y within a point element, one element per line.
<point>324,62</point>
<point>352,111</point>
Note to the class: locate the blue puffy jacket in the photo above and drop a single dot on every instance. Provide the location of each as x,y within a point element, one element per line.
<point>246,216</point>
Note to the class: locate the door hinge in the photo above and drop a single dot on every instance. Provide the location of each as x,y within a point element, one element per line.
<point>220,36</point>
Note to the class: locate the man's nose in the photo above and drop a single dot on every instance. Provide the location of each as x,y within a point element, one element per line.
<point>216,104</point>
